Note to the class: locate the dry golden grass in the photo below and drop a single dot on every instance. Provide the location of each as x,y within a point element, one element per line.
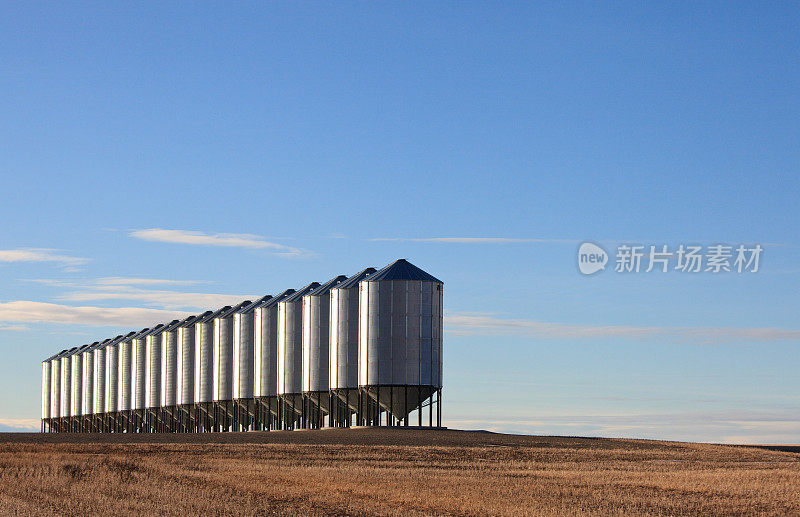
<point>388,472</point>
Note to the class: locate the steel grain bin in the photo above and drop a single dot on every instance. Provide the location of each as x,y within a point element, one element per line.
<point>204,357</point>
<point>126,367</point>
<point>186,358</point>
<point>400,335</point>
<point>316,336</point>
<point>66,383</point>
<point>290,341</point>
<point>87,380</point>
<point>47,386</point>
<point>114,374</point>
<point>76,381</point>
<point>152,366</point>
<point>243,350</point>
<point>223,353</point>
<point>169,364</point>
<point>265,322</point>
<point>99,377</point>
<point>343,359</point>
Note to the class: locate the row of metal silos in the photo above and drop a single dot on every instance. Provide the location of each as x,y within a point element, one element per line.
<point>360,350</point>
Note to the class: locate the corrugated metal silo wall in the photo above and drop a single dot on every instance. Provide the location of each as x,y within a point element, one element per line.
<point>185,365</point>
<point>344,338</point>
<point>290,347</point>
<point>99,374</point>
<point>124,390</point>
<point>112,378</point>
<point>55,388</point>
<point>169,366</point>
<point>139,373</point>
<point>400,338</point>
<point>47,372</point>
<point>223,353</point>
<point>152,376</point>
<point>204,371</point>
<point>87,389</point>
<point>316,339</point>
<point>66,386</point>
<point>76,384</point>
<point>243,355</point>
<point>266,351</point>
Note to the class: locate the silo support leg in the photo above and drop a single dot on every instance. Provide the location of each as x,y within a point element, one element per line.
<point>439,408</point>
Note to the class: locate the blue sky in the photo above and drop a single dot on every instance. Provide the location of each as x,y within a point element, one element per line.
<point>156,160</point>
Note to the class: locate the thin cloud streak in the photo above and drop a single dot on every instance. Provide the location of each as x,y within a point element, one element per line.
<point>170,300</point>
<point>472,240</point>
<point>741,427</point>
<point>42,255</point>
<point>489,324</point>
<point>127,288</point>
<point>40,312</point>
<point>15,328</point>
<point>28,424</point>
<point>229,240</point>
<point>120,280</point>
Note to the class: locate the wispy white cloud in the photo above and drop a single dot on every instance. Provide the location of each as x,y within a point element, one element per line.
<point>489,324</point>
<point>39,312</point>
<point>733,426</point>
<point>120,280</point>
<point>473,240</point>
<point>230,240</point>
<point>23,424</point>
<point>43,255</point>
<point>17,328</point>
<point>171,300</point>
<point>136,289</point>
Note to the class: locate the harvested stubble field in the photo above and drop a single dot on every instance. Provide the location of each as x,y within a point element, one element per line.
<point>388,472</point>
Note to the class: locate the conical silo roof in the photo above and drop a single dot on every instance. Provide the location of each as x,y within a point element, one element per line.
<point>250,307</point>
<point>402,270</point>
<point>327,286</point>
<point>298,295</point>
<point>269,302</point>
<point>230,310</point>
<point>355,279</point>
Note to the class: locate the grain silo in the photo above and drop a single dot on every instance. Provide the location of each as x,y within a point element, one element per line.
<point>400,344</point>
<point>76,387</point>
<point>246,412</point>
<point>99,385</point>
<point>87,386</point>
<point>290,358</point>
<point>185,370</point>
<point>368,346</point>
<point>185,361</point>
<point>125,385</point>
<point>55,391</point>
<point>204,369</point>
<point>47,386</point>
<point>113,422</point>
<point>265,382</point>
<point>343,371</point>
<point>167,412</point>
<point>223,366</point>
<point>315,360</point>
<point>138,379</point>
<point>66,388</point>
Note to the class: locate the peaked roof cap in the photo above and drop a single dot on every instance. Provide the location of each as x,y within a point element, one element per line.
<point>402,269</point>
